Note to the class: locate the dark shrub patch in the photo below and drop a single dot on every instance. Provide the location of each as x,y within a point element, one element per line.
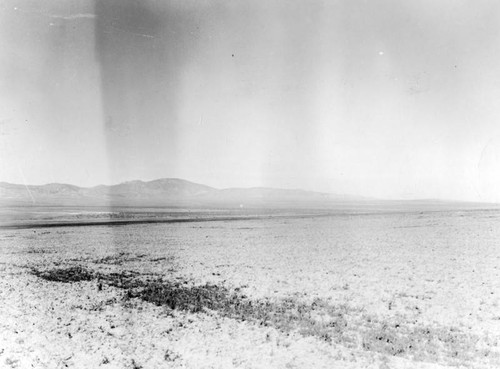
<point>66,275</point>
<point>182,297</point>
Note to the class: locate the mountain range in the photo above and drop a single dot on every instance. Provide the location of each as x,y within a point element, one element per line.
<point>163,192</point>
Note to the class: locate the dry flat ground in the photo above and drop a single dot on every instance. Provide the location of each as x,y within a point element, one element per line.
<point>401,290</point>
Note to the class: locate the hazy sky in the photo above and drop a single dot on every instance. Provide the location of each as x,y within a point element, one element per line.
<point>392,99</point>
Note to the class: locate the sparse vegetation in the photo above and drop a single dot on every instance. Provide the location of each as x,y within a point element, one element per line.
<point>339,324</point>
<point>65,275</point>
<point>135,365</point>
<point>38,251</point>
<point>119,258</point>
<point>170,356</point>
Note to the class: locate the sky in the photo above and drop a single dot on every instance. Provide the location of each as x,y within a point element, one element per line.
<point>384,98</point>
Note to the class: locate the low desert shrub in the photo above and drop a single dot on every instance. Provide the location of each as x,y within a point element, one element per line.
<point>65,275</point>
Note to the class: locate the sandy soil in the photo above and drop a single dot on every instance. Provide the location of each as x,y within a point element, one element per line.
<point>426,282</point>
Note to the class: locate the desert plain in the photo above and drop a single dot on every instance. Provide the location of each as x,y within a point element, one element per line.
<point>375,289</point>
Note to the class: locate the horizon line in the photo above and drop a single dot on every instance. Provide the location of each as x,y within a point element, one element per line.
<point>367,198</point>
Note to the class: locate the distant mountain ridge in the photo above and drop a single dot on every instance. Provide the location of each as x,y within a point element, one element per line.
<point>161,192</point>
<point>169,187</point>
